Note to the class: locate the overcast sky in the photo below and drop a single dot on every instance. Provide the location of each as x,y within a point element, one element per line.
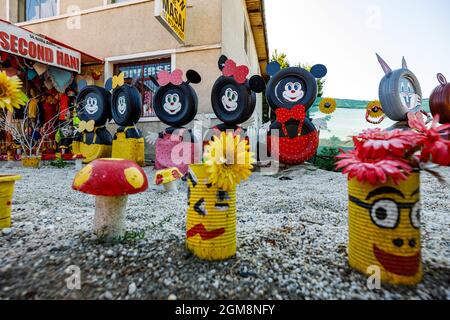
<point>345,34</point>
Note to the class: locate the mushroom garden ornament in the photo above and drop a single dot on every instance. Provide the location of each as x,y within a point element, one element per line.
<point>111,181</point>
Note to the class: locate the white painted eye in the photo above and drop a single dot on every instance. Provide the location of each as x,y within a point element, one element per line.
<point>297,86</point>
<point>415,215</point>
<point>385,214</point>
<point>175,98</point>
<point>169,98</point>
<point>288,86</point>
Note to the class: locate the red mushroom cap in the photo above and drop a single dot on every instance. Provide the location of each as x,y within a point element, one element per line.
<point>111,178</point>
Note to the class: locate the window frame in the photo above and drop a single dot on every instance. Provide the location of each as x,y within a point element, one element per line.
<point>24,13</point>
<point>142,64</point>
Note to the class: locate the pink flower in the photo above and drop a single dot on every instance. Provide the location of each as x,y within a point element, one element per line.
<point>372,171</point>
<point>434,147</point>
<point>380,144</point>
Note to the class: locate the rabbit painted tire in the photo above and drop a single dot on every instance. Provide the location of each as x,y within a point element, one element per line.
<point>389,93</point>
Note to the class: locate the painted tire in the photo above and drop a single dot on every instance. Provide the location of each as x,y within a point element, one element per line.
<point>390,98</point>
<point>97,105</point>
<point>297,150</point>
<point>126,105</point>
<point>440,101</point>
<point>276,85</point>
<point>186,99</point>
<point>232,103</point>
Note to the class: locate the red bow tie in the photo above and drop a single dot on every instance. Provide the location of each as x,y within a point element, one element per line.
<point>284,115</point>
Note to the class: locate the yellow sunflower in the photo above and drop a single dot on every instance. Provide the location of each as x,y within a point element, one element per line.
<point>228,161</point>
<point>374,109</point>
<point>11,96</point>
<point>327,105</point>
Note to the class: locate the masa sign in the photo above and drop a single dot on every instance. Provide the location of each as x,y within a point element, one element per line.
<point>26,44</point>
<point>172,15</point>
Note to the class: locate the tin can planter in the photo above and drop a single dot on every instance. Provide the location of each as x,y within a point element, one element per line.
<point>211,218</point>
<point>6,193</point>
<point>384,229</point>
<point>31,162</point>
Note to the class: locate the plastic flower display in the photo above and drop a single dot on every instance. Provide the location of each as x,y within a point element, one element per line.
<point>11,96</point>
<point>327,105</point>
<point>384,196</point>
<point>380,154</point>
<point>228,161</point>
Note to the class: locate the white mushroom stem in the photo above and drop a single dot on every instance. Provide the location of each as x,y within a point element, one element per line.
<point>171,186</point>
<point>109,216</point>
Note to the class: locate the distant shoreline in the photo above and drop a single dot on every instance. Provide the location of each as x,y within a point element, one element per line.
<point>360,104</point>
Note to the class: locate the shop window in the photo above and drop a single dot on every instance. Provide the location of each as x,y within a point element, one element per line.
<point>140,73</point>
<point>27,10</point>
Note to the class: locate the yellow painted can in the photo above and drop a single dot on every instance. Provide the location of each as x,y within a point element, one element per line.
<point>31,162</point>
<point>384,230</point>
<point>6,194</point>
<point>211,218</point>
<point>128,148</point>
<point>76,147</point>
<point>94,151</point>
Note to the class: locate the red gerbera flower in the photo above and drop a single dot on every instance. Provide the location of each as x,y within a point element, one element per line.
<point>434,147</point>
<point>380,144</point>
<point>372,171</point>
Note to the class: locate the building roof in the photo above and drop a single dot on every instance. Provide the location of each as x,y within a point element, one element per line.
<point>255,9</point>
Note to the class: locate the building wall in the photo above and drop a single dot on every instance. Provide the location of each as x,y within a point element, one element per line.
<point>3,8</point>
<point>81,4</point>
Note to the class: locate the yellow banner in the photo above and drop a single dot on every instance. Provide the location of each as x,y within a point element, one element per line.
<point>172,15</point>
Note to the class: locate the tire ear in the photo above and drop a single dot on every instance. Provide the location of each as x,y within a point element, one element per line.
<point>221,62</point>
<point>272,68</point>
<point>193,77</point>
<point>404,64</point>
<point>257,84</point>
<point>319,71</point>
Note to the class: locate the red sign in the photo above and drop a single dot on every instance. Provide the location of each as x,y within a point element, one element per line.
<point>31,46</point>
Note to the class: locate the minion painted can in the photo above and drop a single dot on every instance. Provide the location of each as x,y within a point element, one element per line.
<point>6,194</point>
<point>384,229</point>
<point>211,218</point>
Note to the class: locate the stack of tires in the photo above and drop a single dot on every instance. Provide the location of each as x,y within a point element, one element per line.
<point>94,111</point>
<point>176,104</point>
<point>126,107</point>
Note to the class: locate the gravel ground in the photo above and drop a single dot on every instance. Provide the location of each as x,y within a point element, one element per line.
<point>292,237</point>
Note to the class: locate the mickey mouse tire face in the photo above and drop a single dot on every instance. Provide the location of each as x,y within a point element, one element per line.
<point>126,105</point>
<point>176,105</point>
<point>400,93</point>
<point>232,103</point>
<point>94,103</point>
<point>291,87</point>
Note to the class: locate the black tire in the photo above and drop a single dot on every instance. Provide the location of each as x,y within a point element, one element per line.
<point>102,113</point>
<point>245,101</point>
<point>276,85</point>
<point>389,94</point>
<point>126,105</point>
<point>187,98</point>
